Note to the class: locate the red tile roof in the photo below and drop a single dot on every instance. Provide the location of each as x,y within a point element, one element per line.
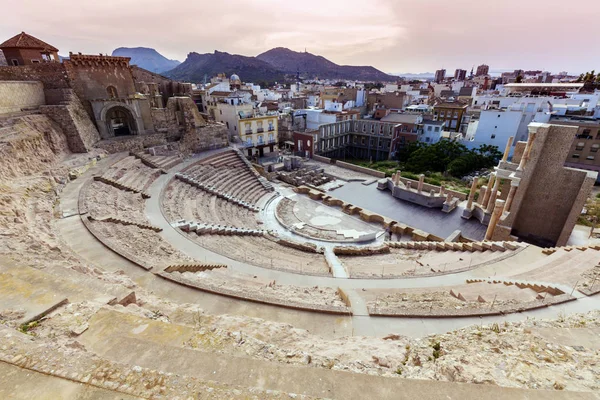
<point>26,41</point>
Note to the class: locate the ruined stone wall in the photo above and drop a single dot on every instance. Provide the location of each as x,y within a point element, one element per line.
<point>16,96</point>
<point>212,136</point>
<point>165,122</point>
<point>165,86</point>
<point>132,143</point>
<point>52,75</point>
<point>80,131</point>
<point>548,191</point>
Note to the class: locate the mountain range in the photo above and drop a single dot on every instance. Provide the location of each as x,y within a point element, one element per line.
<point>146,58</point>
<point>313,66</point>
<point>270,66</point>
<point>250,69</point>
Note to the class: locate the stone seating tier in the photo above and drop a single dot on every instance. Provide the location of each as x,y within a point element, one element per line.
<point>212,190</point>
<point>211,229</point>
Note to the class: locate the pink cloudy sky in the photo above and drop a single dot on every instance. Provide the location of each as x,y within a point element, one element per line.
<point>392,35</point>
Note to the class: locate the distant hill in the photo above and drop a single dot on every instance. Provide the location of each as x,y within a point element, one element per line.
<point>315,66</point>
<point>249,69</point>
<point>146,58</point>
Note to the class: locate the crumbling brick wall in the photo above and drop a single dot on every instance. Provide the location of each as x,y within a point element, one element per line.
<point>52,75</point>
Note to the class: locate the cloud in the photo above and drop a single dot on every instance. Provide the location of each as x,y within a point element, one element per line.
<point>393,35</point>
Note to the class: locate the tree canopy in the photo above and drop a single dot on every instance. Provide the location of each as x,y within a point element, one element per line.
<point>448,156</point>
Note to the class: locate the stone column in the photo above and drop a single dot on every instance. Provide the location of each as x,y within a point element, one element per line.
<point>482,192</point>
<point>421,180</point>
<point>432,192</point>
<point>498,207</point>
<point>527,151</point>
<point>493,195</point>
<point>472,194</point>
<point>442,188</point>
<point>488,191</point>
<point>507,148</point>
<point>408,185</point>
<point>448,198</point>
<point>509,199</point>
<point>397,176</point>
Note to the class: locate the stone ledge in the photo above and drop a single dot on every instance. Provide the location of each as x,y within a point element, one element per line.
<point>467,312</point>
<point>256,299</point>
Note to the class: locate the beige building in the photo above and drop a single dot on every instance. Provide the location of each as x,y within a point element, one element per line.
<point>585,149</point>
<point>259,135</point>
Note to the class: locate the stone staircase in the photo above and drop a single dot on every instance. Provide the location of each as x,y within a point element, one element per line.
<point>263,181</point>
<point>552,250</point>
<point>125,222</point>
<point>538,288</point>
<point>147,161</point>
<point>212,229</point>
<point>457,246</point>
<point>121,186</point>
<point>210,189</point>
<point>163,163</point>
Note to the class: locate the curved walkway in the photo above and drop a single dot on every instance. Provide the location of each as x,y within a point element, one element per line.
<point>359,324</point>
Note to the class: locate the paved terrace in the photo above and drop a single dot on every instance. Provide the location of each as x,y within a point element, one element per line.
<point>430,220</point>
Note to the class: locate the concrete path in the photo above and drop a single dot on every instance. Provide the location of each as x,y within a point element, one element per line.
<point>336,266</point>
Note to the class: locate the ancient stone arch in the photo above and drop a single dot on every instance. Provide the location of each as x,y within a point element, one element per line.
<point>118,120</point>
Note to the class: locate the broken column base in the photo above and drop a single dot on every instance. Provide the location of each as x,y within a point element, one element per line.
<point>449,206</point>
<point>467,213</point>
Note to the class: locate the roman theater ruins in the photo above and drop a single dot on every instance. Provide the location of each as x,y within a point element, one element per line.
<point>144,256</point>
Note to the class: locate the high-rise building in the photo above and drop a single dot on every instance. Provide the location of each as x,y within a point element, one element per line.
<point>460,74</point>
<point>440,74</point>
<point>482,70</point>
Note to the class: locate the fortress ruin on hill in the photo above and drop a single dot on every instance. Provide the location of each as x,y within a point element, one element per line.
<point>144,256</point>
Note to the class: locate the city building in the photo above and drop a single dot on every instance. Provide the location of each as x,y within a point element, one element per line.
<point>409,129</point>
<point>460,74</point>
<point>440,75</point>
<point>355,139</point>
<point>24,49</point>
<point>584,151</point>
<point>259,134</point>
<point>432,131</point>
<point>229,110</point>
<point>389,100</point>
<point>451,112</point>
<point>482,70</point>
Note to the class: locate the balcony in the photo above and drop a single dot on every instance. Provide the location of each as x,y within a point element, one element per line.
<point>260,130</point>
<point>271,129</point>
<point>271,141</point>
<point>245,145</point>
<point>248,132</point>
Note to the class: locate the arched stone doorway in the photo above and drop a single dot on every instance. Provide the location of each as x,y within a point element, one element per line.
<point>120,122</point>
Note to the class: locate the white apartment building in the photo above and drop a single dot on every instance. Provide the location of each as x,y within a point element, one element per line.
<point>432,131</point>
